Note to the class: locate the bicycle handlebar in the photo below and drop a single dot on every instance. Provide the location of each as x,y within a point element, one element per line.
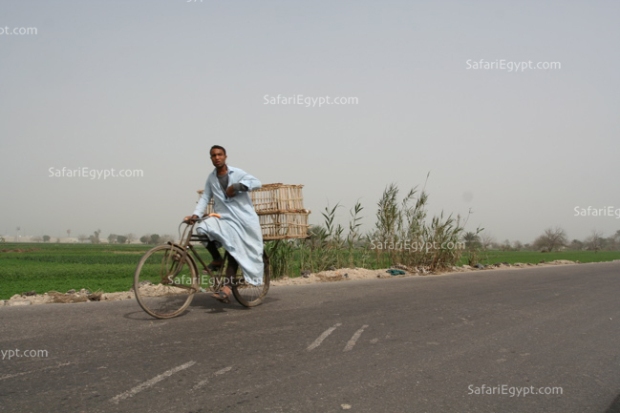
<point>192,221</point>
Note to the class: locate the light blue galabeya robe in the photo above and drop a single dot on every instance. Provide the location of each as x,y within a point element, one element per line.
<point>238,230</point>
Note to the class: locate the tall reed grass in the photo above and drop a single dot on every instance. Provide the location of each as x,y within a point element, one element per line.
<point>402,235</point>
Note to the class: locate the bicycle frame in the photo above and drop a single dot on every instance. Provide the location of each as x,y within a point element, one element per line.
<point>185,244</point>
<point>174,256</point>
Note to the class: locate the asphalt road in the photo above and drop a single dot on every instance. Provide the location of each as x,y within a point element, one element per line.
<point>423,344</point>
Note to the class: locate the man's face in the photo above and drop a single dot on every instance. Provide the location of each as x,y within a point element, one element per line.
<point>218,157</point>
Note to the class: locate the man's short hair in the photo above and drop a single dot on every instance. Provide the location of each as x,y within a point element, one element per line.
<point>217,147</point>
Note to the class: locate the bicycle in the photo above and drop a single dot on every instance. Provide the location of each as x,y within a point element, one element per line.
<point>167,277</point>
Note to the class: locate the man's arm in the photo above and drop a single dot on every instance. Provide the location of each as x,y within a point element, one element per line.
<point>204,200</point>
<point>249,181</point>
<point>246,182</point>
<point>234,189</point>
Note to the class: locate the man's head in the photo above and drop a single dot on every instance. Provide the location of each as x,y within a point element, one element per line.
<point>218,156</point>
<point>218,147</point>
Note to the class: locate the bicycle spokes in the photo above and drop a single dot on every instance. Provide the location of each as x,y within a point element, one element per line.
<point>165,281</point>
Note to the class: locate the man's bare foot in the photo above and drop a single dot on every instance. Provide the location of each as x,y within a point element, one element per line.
<point>223,295</point>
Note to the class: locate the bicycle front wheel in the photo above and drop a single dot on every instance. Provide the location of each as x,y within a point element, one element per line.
<point>249,295</point>
<point>165,281</point>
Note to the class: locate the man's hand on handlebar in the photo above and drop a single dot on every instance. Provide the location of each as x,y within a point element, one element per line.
<point>191,220</point>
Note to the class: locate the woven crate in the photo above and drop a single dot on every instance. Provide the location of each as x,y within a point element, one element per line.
<point>272,198</point>
<point>284,225</point>
<point>280,211</point>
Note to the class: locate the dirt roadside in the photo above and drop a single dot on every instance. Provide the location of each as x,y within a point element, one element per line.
<point>340,275</point>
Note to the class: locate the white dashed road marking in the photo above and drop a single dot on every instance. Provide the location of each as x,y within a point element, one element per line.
<point>152,382</point>
<point>322,337</point>
<point>354,339</point>
<point>8,376</point>
<point>224,370</point>
<point>202,383</point>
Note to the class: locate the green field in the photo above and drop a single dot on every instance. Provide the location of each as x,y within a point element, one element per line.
<point>60,267</point>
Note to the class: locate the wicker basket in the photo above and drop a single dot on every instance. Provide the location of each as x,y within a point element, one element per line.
<point>272,198</point>
<point>284,225</point>
<point>280,211</point>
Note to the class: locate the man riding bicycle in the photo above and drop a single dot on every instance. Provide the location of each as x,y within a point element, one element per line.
<point>235,225</point>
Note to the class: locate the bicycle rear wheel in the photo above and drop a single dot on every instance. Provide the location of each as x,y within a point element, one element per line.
<point>165,281</point>
<point>249,295</point>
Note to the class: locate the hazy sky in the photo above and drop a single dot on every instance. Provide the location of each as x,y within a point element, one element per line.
<point>151,85</point>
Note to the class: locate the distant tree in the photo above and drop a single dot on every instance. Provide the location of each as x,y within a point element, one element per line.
<point>82,238</point>
<point>486,241</point>
<point>576,245</point>
<point>2,239</point>
<point>95,237</point>
<point>155,239</point>
<point>46,238</point>
<point>613,242</point>
<point>472,240</point>
<point>551,240</point>
<point>145,239</point>
<point>37,239</point>
<point>121,239</point>
<point>131,238</point>
<point>506,246</point>
<point>166,238</point>
<point>472,246</point>
<point>517,246</point>
<point>112,238</point>
<point>595,241</point>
